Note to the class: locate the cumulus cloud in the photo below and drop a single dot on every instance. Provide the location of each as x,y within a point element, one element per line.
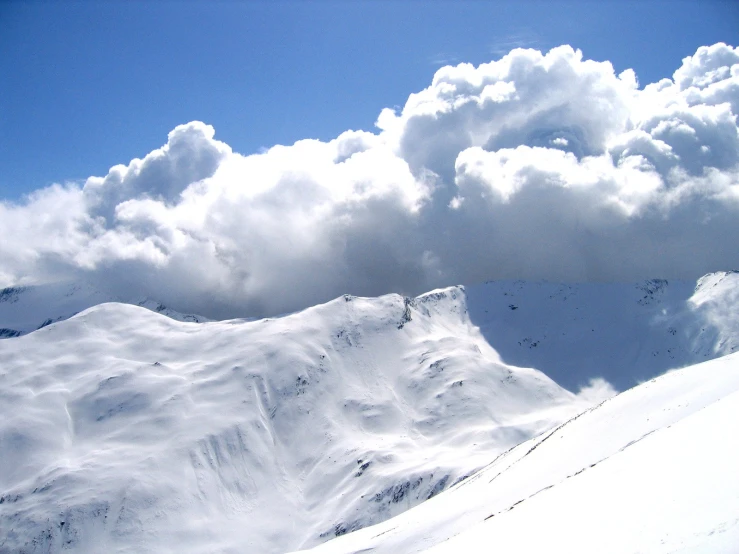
<point>190,155</point>
<point>535,166</point>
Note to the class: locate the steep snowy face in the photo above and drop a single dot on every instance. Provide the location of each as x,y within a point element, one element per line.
<point>624,333</point>
<point>650,470</point>
<point>125,431</point>
<point>716,298</point>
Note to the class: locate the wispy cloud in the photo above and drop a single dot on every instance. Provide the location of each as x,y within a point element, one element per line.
<point>443,59</point>
<point>523,38</point>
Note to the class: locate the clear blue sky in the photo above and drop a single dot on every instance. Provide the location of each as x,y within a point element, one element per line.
<point>86,85</point>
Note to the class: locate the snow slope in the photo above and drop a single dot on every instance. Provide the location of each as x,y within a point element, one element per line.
<point>125,431</point>
<point>624,333</point>
<point>653,469</point>
<point>26,309</point>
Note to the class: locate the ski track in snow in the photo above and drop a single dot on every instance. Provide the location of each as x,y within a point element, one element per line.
<point>650,470</point>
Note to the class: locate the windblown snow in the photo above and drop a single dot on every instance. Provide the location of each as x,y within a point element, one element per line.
<point>122,430</point>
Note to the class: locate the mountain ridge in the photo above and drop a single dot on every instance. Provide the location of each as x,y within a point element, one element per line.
<point>332,419</point>
<point>559,328</point>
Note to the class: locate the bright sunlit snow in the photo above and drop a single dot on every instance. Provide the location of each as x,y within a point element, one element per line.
<point>120,424</point>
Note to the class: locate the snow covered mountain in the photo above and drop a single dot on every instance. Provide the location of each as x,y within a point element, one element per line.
<point>625,333</point>
<point>653,469</point>
<point>26,309</point>
<point>122,430</point>
<point>125,431</point>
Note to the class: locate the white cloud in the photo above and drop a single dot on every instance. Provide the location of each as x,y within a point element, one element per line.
<point>596,391</point>
<point>709,66</point>
<point>190,155</point>
<point>542,166</point>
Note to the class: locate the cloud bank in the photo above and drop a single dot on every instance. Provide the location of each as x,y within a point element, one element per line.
<point>534,166</point>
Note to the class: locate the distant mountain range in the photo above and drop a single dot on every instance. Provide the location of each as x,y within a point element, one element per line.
<point>27,309</point>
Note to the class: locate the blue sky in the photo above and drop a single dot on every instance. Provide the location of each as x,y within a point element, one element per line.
<point>87,85</point>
